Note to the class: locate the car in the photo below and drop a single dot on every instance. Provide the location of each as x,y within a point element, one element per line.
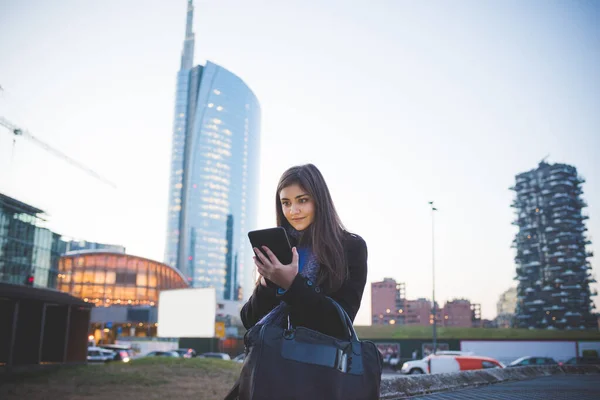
<point>186,353</point>
<point>122,353</point>
<point>528,360</point>
<point>222,356</point>
<point>99,355</point>
<point>443,363</point>
<point>170,353</point>
<point>239,358</point>
<point>583,361</point>
<point>420,366</point>
<point>454,353</point>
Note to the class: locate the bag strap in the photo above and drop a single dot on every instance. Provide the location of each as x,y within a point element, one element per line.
<point>234,392</point>
<point>345,319</point>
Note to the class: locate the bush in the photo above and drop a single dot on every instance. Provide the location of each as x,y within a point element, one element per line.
<point>590,353</point>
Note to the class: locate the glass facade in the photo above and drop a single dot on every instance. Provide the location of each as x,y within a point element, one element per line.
<point>26,247</point>
<point>214,178</point>
<point>108,279</point>
<point>75,245</point>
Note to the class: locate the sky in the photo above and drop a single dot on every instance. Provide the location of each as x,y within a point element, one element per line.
<point>398,103</point>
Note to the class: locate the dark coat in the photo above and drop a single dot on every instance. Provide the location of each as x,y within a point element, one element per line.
<point>309,307</point>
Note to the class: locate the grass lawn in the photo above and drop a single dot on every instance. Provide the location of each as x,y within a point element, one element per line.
<point>150,378</point>
<point>424,332</point>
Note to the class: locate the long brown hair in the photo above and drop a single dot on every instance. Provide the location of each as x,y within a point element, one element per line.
<point>326,232</point>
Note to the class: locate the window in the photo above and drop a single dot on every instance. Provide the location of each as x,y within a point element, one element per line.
<point>88,276</point>
<point>78,277</point>
<point>126,278</point>
<point>129,293</point>
<point>111,277</point>
<point>142,279</point>
<point>152,282</point>
<point>99,277</point>
<point>141,294</point>
<point>132,264</point>
<point>76,290</point>
<point>87,291</point>
<point>488,365</point>
<point>102,260</point>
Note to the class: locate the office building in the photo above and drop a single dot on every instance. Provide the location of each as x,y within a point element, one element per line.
<point>29,252</point>
<point>214,176</point>
<point>553,268</point>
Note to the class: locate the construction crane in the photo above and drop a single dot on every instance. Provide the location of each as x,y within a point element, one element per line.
<point>16,131</point>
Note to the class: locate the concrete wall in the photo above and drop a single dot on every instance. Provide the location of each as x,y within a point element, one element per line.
<point>119,314</point>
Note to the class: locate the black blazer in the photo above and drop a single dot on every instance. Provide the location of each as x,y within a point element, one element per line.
<point>309,307</point>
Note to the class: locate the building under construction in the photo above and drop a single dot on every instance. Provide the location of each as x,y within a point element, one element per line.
<point>553,270</point>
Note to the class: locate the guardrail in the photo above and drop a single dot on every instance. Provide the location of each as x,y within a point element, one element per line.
<point>408,386</point>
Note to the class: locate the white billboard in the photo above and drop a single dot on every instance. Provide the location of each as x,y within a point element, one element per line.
<point>187,313</point>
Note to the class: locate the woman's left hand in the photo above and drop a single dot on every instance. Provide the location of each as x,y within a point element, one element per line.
<point>273,270</point>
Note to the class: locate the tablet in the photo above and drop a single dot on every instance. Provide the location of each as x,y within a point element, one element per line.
<point>276,240</point>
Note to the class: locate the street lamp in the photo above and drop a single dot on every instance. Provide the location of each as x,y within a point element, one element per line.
<point>433,210</point>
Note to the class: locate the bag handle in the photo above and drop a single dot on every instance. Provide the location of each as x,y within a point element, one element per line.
<point>345,319</point>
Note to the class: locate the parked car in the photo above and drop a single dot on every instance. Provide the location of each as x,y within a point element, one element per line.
<point>583,361</point>
<point>222,356</point>
<point>440,363</point>
<point>97,355</point>
<point>171,353</point>
<point>419,366</point>
<point>186,353</point>
<point>122,353</point>
<point>454,353</point>
<point>240,358</point>
<point>523,361</point>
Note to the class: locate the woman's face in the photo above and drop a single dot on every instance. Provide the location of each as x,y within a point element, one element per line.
<point>298,206</point>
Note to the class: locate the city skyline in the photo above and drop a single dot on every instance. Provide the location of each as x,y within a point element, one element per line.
<point>214,175</point>
<point>397,103</point>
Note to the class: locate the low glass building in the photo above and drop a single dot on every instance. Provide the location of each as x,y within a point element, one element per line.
<point>124,289</point>
<point>108,278</point>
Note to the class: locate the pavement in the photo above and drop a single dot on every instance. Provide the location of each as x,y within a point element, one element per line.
<point>557,387</point>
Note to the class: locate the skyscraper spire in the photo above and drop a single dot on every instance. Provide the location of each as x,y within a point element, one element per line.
<point>187,56</point>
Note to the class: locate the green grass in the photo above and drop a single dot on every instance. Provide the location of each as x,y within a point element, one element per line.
<point>147,378</point>
<point>201,364</point>
<point>424,332</point>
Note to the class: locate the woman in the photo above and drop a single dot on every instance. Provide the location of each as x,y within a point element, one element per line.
<point>327,261</point>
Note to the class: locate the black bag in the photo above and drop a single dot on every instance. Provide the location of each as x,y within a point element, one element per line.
<point>300,363</point>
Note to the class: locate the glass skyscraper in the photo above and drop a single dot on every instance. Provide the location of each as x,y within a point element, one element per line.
<point>214,176</point>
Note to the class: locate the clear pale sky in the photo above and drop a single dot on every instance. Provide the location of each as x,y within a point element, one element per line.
<point>397,102</point>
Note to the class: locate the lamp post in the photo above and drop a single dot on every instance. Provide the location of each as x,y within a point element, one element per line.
<point>434,311</point>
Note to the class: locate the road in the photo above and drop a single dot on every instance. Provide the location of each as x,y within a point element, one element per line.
<point>557,387</point>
